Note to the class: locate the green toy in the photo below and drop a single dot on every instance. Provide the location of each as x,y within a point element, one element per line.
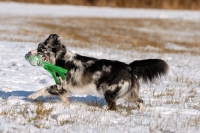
<point>52,69</point>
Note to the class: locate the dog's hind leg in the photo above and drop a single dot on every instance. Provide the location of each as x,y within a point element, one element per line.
<point>133,96</point>
<point>56,90</point>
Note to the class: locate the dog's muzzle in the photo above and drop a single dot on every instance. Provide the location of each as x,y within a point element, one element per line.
<point>33,60</point>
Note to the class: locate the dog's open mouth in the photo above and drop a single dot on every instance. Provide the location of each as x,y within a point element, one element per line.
<point>43,58</point>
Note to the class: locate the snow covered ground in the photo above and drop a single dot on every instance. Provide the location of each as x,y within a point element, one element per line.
<point>172,102</point>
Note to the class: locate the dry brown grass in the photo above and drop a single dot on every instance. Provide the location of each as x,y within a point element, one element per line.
<point>127,34</point>
<point>166,4</point>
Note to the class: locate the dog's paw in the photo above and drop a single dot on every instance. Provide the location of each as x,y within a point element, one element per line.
<point>64,99</point>
<point>142,107</point>
<point>32,96</point>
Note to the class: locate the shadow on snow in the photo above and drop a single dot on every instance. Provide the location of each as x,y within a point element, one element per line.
<point>89,99</point>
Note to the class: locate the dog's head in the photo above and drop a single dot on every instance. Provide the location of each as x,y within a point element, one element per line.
<point>50,50</point>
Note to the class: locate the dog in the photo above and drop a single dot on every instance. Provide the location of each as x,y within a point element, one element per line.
<point>100,77</point>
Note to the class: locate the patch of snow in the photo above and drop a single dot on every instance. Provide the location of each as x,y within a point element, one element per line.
<point>174,46</point>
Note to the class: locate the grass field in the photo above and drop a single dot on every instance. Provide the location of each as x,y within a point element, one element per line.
<point>172,102</point>
<point>138,34</point>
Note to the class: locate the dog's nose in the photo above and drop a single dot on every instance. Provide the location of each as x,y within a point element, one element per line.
<point>33,52</point>
<point>29,53</point>
<point>27,56</point>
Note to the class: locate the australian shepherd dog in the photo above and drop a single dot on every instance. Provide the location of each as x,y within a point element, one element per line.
<point>109,79</point>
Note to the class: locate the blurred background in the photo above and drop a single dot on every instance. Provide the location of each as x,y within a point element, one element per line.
<point>159,4</point>
<point>146,25</point>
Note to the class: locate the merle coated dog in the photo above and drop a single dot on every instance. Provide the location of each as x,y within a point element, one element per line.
<point>101,77</point>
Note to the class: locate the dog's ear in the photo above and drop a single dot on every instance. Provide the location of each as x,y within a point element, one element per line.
<point>53,42</point>
<point>53,38</point>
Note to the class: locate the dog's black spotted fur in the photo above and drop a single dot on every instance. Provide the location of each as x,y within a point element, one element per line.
<point>109,79</point>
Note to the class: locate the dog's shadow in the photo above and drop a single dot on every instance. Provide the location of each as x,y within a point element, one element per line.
<point>18,93</point>
<point>89,99</point>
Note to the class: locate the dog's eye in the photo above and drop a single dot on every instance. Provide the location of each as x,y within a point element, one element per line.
<point>45,43</point>
<point>54,50</point>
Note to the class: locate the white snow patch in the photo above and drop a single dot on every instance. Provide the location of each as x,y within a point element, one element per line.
<point>22,9</point>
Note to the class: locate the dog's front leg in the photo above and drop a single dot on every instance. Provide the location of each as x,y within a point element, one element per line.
<point>56,90</point>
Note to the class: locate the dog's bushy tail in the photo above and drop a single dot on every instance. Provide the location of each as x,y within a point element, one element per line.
<point>149,69</point>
